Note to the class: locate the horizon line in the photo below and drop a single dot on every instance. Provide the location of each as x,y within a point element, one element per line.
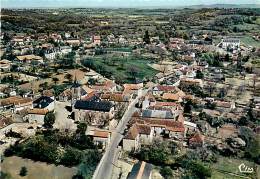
<point>133,7</point>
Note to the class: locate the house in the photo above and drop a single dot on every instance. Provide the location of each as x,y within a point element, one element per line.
<point>36,115</point>
<point>100,137</point>
<point>171,97</point>
<point>92,96</point>
<point>44,102</point>
<point>116,97</point>
<point>141,170</point>
<point>29,59</point>
<point>133,89</point>
<point>160,89</point>
<point>119,100</point>
<point>225,105</point>
<point>230,43</point>
<point>138,134</point>
<point>107,86</point>
<point>147,100</point>
<point>160,112</point>
<point>197,140</point>
<point>167,127</point>
<point>162,127</point>
<point>18,40</point>
<point>73,42</point>
<point>5,65</point>
<point>96,40</point>
<point>48,93</point>
<point>65,95</point>
<point>189,126</point>
<point>191,82</point>
<point>95,112</point>
<point>65,50</point>
<point>15,103</point>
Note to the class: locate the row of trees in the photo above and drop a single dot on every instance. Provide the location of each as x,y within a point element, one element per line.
<point>166,155</point>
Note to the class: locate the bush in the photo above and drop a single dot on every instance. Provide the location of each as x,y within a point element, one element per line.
<point>158,154</point>
<point>23,171</point>
<point>71,156</point>
<point>57,148</point>
<point>166,172</point>
<point>49,120</point>
<point>253,150</point>
<point>200,170</point>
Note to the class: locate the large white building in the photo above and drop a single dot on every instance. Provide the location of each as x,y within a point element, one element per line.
<point>230,42</point>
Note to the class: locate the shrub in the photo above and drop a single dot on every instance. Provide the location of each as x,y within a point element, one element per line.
<point>166,172</point>
<point>49,120</point>
<point>23,171</point>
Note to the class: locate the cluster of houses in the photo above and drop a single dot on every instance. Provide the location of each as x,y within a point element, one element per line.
<point>160,113</point>
<point>159,117</point>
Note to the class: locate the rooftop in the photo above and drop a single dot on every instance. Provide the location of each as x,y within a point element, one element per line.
<point>103,106</point>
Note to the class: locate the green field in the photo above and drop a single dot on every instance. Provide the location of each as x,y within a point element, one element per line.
<point>228,168</point>
<point>120,68</point>
<point>249,41</point>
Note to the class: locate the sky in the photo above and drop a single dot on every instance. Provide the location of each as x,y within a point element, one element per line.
<point>115,3</point>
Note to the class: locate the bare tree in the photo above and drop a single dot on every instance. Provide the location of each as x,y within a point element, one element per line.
<point>133,71</point>
<point>89,117</point>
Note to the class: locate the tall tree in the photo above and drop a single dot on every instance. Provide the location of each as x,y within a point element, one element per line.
<point>55,80</point>
<point>147,37</point>
<point>49,120</point>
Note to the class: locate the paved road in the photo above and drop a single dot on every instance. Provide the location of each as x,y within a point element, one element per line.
<point>105,167</point>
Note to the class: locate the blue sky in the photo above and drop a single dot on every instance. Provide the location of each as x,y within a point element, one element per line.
<point>117,3</point>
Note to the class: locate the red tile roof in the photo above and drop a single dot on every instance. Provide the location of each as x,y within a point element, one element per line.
<point>38,111</point>
<point>169,124</point>
<point>166,88</point>
<point>101,134</point>
<point>138,129</point>
<point>197,138</point>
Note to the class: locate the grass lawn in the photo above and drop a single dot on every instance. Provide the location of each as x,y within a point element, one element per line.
<point>119,69</point>
<point>39,170</point>
<point>226,165</point>
<point>249,41</point>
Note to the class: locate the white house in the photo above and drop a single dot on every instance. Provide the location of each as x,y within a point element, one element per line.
<point>230,42</point>
<point>101,137</point>
<point>36,115</point>
<point>44,102</point>
<point>138,134</point>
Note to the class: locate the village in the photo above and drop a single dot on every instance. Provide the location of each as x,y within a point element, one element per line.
<point>142,104</point>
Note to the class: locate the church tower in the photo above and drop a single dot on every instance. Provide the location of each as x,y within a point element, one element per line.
<point>75,91</point>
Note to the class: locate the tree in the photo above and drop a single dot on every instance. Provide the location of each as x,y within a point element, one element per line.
<point>146,38</point>
<point>200,170</point>
<point>133,71</point>
<point>78,176</point>
<point>120,111</point>
<point>227,58</point>
<point>81,128</point>
<point>71,156</point>
<point>68,76</point>
<point>23,171</point>
<point>188,106</point>
<point>166,172</point>
<point>199,74</point>
<point>253,149</point>
<point>49,120</point>
<point>44,85</point>
<point>55,80</point>
<point>222,93</point>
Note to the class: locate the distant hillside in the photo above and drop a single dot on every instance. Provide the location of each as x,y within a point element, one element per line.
<point>224,6</point>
